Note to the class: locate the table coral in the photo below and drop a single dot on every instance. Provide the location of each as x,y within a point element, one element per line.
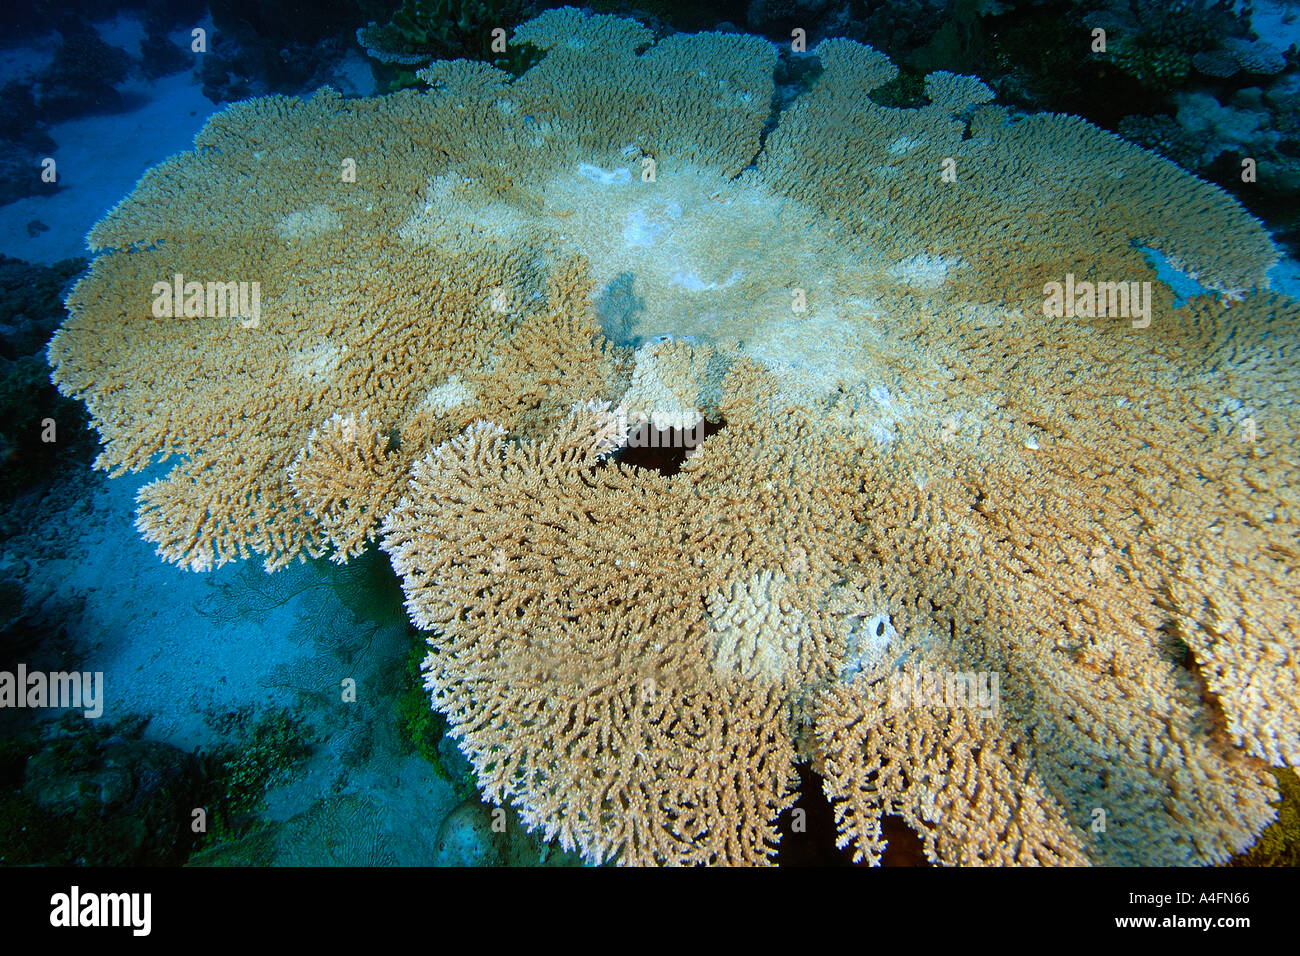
<point>917,470</point>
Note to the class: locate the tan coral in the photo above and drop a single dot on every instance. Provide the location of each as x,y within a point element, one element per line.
<point>759,632</point>
<point>915,458</point>
<point>625,742</point>
<point>967,790</point>
<point>346,478</point>
<point>381,332</point>
<point>669,385</point>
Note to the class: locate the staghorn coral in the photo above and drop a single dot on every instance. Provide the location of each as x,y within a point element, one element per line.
<point>918,469</point>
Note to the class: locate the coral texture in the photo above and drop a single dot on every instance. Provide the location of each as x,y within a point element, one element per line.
<point>920,470</point>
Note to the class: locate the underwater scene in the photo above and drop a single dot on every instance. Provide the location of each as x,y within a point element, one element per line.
<point>489,433</point>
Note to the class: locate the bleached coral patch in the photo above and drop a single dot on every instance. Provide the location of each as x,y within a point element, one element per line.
<point>924,271</point>
<point>881,434</point>
<point>608,177</point>
<point>443,398</point>
<point>307,223</point>
<point>666,384</point>
<point>316,362</point>
<point>758,634</point>
<point>640,231</point>
<point>455,205</point>
<point>811,353</point>
<point>689,280</point>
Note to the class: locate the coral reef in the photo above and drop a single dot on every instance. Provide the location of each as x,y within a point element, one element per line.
<point>269,46</point>
<point>95,794</point>
<point>23,143</point>
<point>425,30</point>
<point>335,831</point>
<point>260,749</point>
<point>83,75</point>
<point>1204,134</point>
<point>159,56</point>
<point>1038,55</point>
<point>39,429</point>
<point>914,468</point>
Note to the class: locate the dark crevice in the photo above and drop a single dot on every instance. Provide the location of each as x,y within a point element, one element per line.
<point>795,75</point>
<point>1181,654</point>
<point>664,450</point>
<point>814,843</point>
<point>906,91</point>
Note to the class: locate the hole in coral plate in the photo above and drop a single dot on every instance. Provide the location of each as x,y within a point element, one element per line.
<point>815,845</point>
<point>665,449</point>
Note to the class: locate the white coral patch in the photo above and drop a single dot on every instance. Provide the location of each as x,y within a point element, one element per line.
<point>608,177</point>
<point>924,271</point>
<point>662,393</point>
<point>639,231</point>
<point>699,254</point>
<point>450,394</point>
<point>756,637</point>
<point>317,362</point>
<point>455,204</point>
<point>880,434</point>
<point>307,223</point>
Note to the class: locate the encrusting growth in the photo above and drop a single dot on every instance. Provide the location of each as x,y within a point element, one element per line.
<point>912,471</point>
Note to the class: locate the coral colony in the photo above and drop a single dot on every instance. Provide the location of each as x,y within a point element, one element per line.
<point>968,526</point>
